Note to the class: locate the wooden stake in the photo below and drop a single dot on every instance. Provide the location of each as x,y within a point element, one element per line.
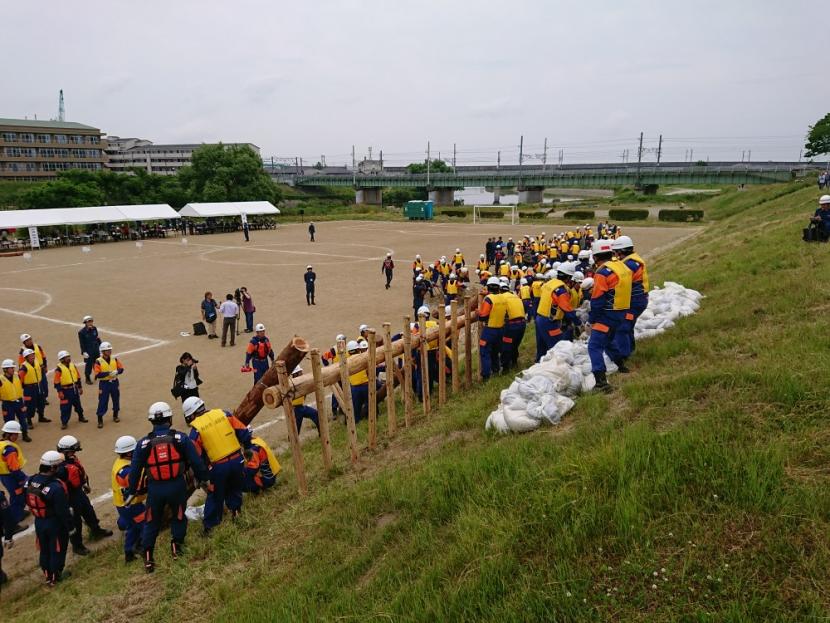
<point>424,371</point>
<point>371,372</point>
<point>291,424</point>
<point>391,369</point>
<point>479,329</point>
<point>322,407</point>
<point>468,344</point>
<point>407,372</point>
<point>347,406</point>
<point>456,378</point>
<point>442,359</point>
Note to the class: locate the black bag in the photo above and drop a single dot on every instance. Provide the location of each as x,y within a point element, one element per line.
<point>199,328</point>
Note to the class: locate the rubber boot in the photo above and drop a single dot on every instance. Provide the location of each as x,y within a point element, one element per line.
<point>149,563</point>
<point>82,419</point>
<point>115,417</point>
<point>100,422</point>
<point>621,367</point>
<point>129,557</point>
<point>43,418</point>
<point>602,383</point>
<point>80,550</point>
<point>99,533</point>
<point>176,550</point>
<point>26,437</point>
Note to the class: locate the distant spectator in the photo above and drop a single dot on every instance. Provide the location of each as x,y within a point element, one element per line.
<point>186,381</point>
<point>311,230</point>
<point>209,307</point>
<point>230,311</point>
<point>248,308</point>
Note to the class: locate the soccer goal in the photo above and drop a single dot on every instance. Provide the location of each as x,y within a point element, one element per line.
<point>494,212</point>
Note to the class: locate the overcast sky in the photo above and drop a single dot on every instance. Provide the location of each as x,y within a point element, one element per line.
<point>315,77</point>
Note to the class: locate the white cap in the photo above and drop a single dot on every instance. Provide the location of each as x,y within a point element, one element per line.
<point>601,246</point>
<point>453,276</point>
<point>106,346</point>
<point>12,427</point>
<point>124,444</point>
<point>623,242</point>
<point>87,318</point>
<point>443,258</point>
<point>578,276</point>
<point>352,345</point>
<point>62,354</point>
<point>824,199</point>
<point>161,410</point>
<point>363,344</point>
<point>587,283</point>
<point>481,256</point>
<point>51,458</point>
<point>340,337</point>
<point>514,267</point>
<point>68,442</point>
<point>417,257</point>
<point>458,250</point>
<point>309,266</point>
<point>423,309</point>
<point>27,352</point>
<point>584,254</point>
<point>260,327</point>
<point>362,328</point>
<point>493,281</point>
<point>523,281</point>
<point>567,268</point>
<point>8,363</point>
<point>190,406</point>
<point>25,336</point>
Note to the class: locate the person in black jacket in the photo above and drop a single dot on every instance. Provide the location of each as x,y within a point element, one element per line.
<point>310,277</point>
<point>186,382</point>
<point>90,343</point>
<point>9,528</point>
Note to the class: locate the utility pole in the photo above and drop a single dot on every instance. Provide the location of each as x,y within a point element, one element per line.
<point>353,162</point>
<point>659,149</point>
<point>749,156</point>
<point>639,159</point>
<point>561,157</point>
<point>453,157</point>
<point>498,161</point>
<point>428,163</point>
<point>370,152</point>
<point>692,155</point>
<point>381,160</point>
<point>521,155</point>
<point>545,156</point>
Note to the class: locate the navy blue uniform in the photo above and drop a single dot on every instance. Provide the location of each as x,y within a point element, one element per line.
<point>310,277</point>
<point>90,344</point>
<point>47,499</point>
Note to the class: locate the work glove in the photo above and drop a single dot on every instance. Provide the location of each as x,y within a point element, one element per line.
<point>128,499</point>
<point>8,544</point>
<point>87,489</point>
<point>86,356</point>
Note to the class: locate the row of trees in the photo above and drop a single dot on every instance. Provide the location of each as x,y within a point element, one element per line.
<point>217,173</point>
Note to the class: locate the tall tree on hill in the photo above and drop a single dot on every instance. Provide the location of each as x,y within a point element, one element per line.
<point>227,173</point>
<point>818,139</point>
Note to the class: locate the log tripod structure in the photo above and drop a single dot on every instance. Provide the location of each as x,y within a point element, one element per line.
<point>278,389</point>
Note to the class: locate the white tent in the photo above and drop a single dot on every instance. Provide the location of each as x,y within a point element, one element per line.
<point>229,208</point>
<point>17,219</point>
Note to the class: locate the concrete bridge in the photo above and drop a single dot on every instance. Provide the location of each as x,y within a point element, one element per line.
<point>531,181</point>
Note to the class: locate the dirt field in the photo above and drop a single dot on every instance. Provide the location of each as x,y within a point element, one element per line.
<point>142,298</point>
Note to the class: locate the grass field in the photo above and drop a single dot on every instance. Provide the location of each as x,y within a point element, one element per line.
<point>696,492</point>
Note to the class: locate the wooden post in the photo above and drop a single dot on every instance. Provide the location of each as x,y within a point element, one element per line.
<point>291,424</point>
<point>391,369</point>
<point>407,372</point>
<point>371,372</point>
<point>347,406</point>
<point>322,407</point>
<point>424,371</point>
<point>468,345</point>
<point>442,360</point>
<point>456,378</point>
<point>479,329</point>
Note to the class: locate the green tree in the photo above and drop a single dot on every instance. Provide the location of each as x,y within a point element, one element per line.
<point>222,173</point>
<point>436,166</point>
<point>62,193</point>
<point>818,138</point>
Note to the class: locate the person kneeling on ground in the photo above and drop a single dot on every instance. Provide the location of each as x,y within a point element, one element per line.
<point>261,467</point>
<point>819,229</point>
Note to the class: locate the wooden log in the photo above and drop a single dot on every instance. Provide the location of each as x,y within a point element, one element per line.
<point>347,406</point>
<point>291,425</point>
<point>407,372</point>
<point>442,359</point>
<point>468,343</point>
<point>371,373</point>
<point>322,407</point>
<point>455,348</point>
<point>424,373</point>
<point>391,369</point>
<point>292,355</point>
<point>479,329</point>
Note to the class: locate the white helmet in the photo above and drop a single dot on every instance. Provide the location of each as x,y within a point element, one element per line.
<point>493,281</point>
<point>504,281</point>
<point>27,352</point>
<point>453,276</point>
<point>417,257</point>
<point>68,442</point>
<point>62,354</point>
<point>159,411</point>
<point>423,309</point>
<point>51,458</point>
<point>12,427</point>
<point>824,199</point>
<point>307,267</point>
<point>419,278</point>
<point>25,336</point>
<point>297,370</point>
<point>87,318</point>
<point>8,363</point>
<point>458,250</point>
<point>514,267</point>
<point>578,276</point>
<point>481,256</point>
<point>352,345</point>
<point>448,311</point>
<point>523,281</point>
<point>362,328</point>
<point>363,345</point>
<point>189,407</point>
<point>260,327</point>
<point>340,337</point>
<point>623,242</point>
<point>566,268</point>
<point>584,254</point>
<point>106,346</point>
<point>601,246</point>
<point>587,283</point>
<point>124,444</point>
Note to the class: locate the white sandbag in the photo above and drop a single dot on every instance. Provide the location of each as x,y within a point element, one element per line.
<point>519,421</point>
<point>496,421</point>
<point>195,513</point>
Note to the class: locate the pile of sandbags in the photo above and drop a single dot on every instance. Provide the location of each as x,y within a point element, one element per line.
<point>545,391</point>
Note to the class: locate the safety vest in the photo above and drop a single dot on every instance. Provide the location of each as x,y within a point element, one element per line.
<point>536,288</point>
<point>261,348</point>
<point>524,292</point>
<point>452,287</point>
<point>218,436</point>
<point>639,260</point>
<point>546,300</point>
<point>299,401</point>
<point>498,311</point>
<point>444,269</point>
<point>11,389</point>
<point>576,296</point>
<point>432,344</point>
<point>622,291</point>
<point>69,374</point>
<point>358,378</point>
<point>38,354</point>
<point>37,496</point>
<point>117,490</point>
<point>515,307</point>
<point>416,265</point>
<point>563,247</point>
<point>504,270</point>
<point>483,265</point>
<point>272,459</point>
<point>165,461</point>
<point>21,460</point>
<point>33,375</point>
<point>574,249</point>
<point>458,258</point>
<point>107,366</point>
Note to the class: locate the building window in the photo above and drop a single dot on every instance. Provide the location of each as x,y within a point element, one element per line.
<point>78,140</point>
<point>9,136</point>
<point>43,138</point>
<point>94,140</point>
<point>61,138</point>
<point>27,137</point>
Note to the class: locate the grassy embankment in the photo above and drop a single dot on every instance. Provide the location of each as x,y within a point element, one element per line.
<point>697,491</point>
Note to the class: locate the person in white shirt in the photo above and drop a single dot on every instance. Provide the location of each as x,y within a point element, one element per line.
<point>229,310</point>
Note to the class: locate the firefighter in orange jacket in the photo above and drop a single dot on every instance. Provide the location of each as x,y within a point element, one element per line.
<point>11,394</point>
<point>107,370</point>
<point>261,467</point>
<point>31,375</point>
<point>492,313</point>
<point>131,514</point>
<point>259,353</point>
<point>12,463</point>
<point>67,381</point>
<point>40,360</point>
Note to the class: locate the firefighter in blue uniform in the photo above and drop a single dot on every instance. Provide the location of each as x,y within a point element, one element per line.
<point>11,395</point>
<point>130,515</point>
<point>90,344</point>
<point>259,353</point>
<point>164,456</point>
<point>624,249</point>
<point>107,370</point>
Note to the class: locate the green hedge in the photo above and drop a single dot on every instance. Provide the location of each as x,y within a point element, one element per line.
<point>493,214</point>
<point>628,215</point>
<point>453,213</point>
<point>532,214</point>
<point>680,216</point>
<point>581,215</point>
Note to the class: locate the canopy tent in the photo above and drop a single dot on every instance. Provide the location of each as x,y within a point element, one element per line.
<point>16,219</point>
<point>229,208</point>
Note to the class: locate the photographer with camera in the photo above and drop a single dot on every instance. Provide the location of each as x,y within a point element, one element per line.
<point>248,308</point>
<point>186,381</point>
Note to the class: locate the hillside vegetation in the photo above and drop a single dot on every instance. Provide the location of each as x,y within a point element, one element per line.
<point>698,491</point>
